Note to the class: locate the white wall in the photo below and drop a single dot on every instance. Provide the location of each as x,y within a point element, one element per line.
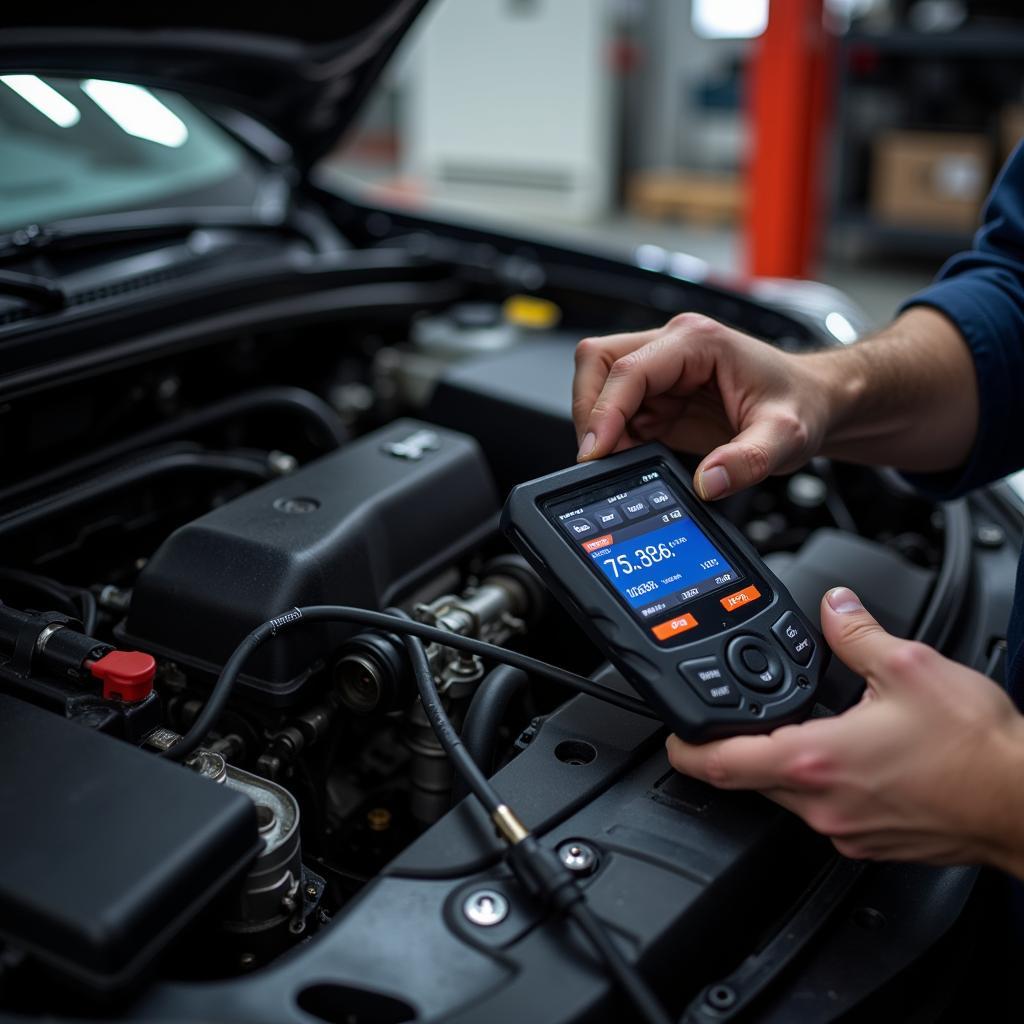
<point>509,103</point>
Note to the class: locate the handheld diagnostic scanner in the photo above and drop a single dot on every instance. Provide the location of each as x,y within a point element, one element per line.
<point>671,592</point>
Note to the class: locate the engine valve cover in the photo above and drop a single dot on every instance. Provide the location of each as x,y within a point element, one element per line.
<point>355,527</point>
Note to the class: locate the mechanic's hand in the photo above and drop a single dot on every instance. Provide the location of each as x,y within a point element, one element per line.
<point>700,387</point>
<point>928,766</point>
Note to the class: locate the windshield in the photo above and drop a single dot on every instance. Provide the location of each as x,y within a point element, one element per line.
<point>73,147</point>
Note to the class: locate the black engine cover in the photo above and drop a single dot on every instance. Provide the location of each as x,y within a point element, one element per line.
<point>356,527</point>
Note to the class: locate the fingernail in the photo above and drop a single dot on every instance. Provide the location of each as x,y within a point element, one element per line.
<point>586,445</point>
<point>713,483</point>
<point>843,600</point>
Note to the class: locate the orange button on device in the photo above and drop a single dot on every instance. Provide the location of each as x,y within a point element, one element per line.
<point>597,543</point>
<point>740,598</point>
<point>667,630</point>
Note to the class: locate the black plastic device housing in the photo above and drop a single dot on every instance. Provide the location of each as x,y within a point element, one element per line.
<point>107,851</point>
<point>656,667</point>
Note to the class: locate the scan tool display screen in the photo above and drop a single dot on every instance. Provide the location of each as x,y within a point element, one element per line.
<point>637,533</point>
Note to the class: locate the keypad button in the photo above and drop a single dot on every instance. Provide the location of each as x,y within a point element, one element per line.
<point>795,638</point>
<point>680,624</point>
<point>711,682</point>
<point>607,517</point>
<point>733,601</point>
<point>768,673</point>
<point>634,508</point>
<point>581,527</point>
<point>753,659</point>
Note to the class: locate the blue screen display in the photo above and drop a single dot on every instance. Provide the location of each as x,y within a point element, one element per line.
<point>671,564</point>
<point>644,542</point>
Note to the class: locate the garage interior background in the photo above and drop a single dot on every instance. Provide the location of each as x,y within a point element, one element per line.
<point>847,141</point>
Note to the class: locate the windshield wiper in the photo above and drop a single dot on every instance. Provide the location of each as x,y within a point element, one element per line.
<point>108,228</point>
<point>36,289</point>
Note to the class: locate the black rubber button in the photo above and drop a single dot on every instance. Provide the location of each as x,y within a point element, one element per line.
<point>711,682</point>
<point>753,659</point>
<point>795,638</point>
<point>768,673</point>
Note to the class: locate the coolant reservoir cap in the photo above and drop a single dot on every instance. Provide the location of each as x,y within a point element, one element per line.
<point>126,675</point>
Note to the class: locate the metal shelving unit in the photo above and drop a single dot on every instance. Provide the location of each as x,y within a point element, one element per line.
<point>854,230</point>
<point>981,41</point>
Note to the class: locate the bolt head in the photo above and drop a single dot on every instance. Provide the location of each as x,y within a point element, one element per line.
<point>485,908</point>
<point>579,858</point>
<point>721,997</point>
<point>296,506</point>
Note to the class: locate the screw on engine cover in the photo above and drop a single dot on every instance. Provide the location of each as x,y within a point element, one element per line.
<point>721,997</point>
<point>485,908</point>
<point>579,858</point>
<point>311,892</point>
<point>296,506</point>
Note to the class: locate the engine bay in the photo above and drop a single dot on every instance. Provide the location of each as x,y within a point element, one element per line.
<point>318,859</point>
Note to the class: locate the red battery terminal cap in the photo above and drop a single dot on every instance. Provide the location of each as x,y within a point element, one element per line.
<point>126,675</point>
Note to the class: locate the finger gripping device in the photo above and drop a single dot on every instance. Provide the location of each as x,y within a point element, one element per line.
<point>671,592</point>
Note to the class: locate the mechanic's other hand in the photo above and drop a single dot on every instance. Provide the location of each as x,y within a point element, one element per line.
<point>704,388</point>
<point>928,766</point>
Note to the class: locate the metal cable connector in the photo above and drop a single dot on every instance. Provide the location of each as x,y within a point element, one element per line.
<point>509,827</point>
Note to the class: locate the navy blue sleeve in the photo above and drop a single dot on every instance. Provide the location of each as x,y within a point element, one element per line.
<point>982,292</point>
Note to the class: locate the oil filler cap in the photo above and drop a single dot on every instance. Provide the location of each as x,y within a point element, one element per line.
<point>126,675</point>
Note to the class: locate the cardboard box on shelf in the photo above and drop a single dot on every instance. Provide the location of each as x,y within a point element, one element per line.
<point>930,179</point>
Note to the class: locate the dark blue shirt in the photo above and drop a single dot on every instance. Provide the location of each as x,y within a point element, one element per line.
<point>982,292</point>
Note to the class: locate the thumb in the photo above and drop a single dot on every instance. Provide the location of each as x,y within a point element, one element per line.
<point>747,459</point>
<point>854,634</point>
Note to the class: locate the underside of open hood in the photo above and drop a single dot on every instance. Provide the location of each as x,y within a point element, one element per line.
<point>303,73</point>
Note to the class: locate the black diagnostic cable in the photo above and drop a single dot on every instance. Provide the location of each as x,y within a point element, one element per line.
<point>478,783</point>
<point>537,867</point>
<point>221,691</point>
<point>486,712</point>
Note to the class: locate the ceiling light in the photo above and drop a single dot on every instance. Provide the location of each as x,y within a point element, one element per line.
<point>44,98</point>
<point>137,111</point>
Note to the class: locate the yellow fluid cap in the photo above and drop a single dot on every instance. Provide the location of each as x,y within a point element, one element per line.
<point>529,311</point>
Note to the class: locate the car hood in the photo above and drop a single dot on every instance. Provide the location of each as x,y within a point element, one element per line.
<point>305,76</point>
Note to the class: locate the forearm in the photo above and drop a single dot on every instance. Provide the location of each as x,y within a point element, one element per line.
<point>906,397</point>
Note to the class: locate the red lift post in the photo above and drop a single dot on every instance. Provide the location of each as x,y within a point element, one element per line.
<point>787,111</point>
